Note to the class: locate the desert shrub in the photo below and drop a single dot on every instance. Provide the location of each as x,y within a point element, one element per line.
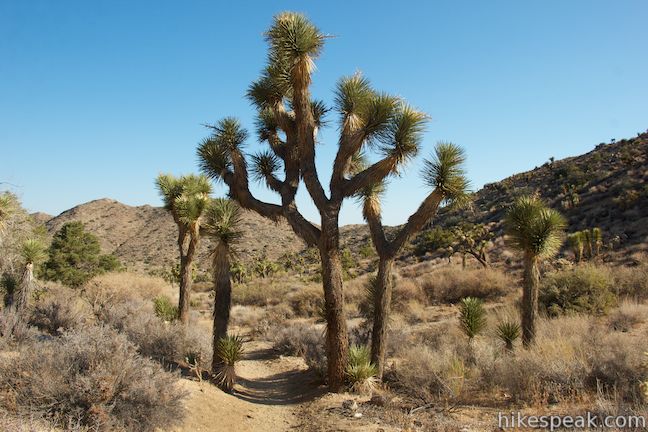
<point>360,372</point>
<point>93,375</point>
<point>304,340</point>
<point>307,302</point>
<point>259,320</point>
<point>164,309</point>
<point>75,256</point>
<point>450,284</point>
<point>583,289</point>
<point>428,374</point>
<point>631,282</point>
<point>573,357</point>
<point>627,316</point>
<point>433,240</point>
<point>260,292</point>
<point>367,250</point>
<point>59,309</point>
<point>13,330</point>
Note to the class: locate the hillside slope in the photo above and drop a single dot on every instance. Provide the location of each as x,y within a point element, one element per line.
<point>144,237</point>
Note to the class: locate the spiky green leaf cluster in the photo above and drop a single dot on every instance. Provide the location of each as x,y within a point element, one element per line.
<point>472,316</point>
<point>223,221</point>
<point>534,228</point>
<point>445,171</point>
<point>229,349</point>
<point>292,37</point>
<point>360,371</point>
<point>33,251</point>
<point>215,152</point>
<point>508,331</point>
<point>186,196</point>
<point>264,165</point>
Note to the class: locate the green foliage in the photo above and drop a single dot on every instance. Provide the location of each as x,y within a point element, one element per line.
<point>223,221</point>
<point>229,350</point>
<point>445,172</point>
<point>586,243</point>
<point>472,316</point>
<point>508,332</point>
<point>534,228</point>
<point>239,272</point>
<point>360,371</point>
<point>433,240</point>
<point>348,262</point>
<point>264,267</point>
<point>75,256</point>
<point>164,309</point>
<point>367,250</point>
<point>584,289</point>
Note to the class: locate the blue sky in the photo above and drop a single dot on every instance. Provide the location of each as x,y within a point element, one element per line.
<point>97,98</point>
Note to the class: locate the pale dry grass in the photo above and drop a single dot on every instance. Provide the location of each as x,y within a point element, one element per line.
<point>450,284</point>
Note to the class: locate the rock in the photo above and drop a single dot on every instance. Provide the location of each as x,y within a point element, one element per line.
<point>357,415</point>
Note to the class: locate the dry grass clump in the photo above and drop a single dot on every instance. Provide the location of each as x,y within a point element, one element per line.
<point>122,286</point>
<point>304,340</point>
<point>60,309</point>
<point>260,292</point>
<point>93,376</point>
<point>451,284</point>
<point>259,320</point>
<point>631,282</point>
<point>307,301</point>
<point>13,330</point>
<point>628,316</point>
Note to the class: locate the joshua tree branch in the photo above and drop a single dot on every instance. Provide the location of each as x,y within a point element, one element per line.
<point>418,219</point>
<point>371,175</point>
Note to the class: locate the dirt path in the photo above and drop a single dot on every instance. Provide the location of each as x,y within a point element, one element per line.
<point>267,397</point>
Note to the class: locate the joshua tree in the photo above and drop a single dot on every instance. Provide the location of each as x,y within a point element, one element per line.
<point>444,174</point>
<point>7,208</point>
<point>472,317</point>
<point>473,239</point>
<point>289,120</point>
<point>575,242</point>
<point>185,198</point>
<point>537,231</point>
<point>32,252</point>
<point>222,220</point>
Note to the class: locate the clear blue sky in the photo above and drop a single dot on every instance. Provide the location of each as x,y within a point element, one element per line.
<point>98,97</point>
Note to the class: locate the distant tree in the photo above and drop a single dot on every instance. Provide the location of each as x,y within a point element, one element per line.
<point>8,205</point>
<point>444,174</point>
<point>472,239</point>
<point>33,252</point>
<point>537,231</point>
<point>185,198</point>
<point>222,224</point>
<point>75,256</point>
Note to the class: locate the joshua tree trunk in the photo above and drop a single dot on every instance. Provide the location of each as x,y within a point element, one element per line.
<point>530,298</point>
<point>382,302</point>
<point>185,279</point>
<point>222,298</point>
<point>25,289</point>
<point>337,338</point>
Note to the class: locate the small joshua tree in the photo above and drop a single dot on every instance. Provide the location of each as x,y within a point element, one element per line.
<point>185,198</point>
<point>472,317</point>
<point>33,252</point>
<point>229,350</point>
<point>537,231</point>
<point>508,332</point>
<point>360,371</point>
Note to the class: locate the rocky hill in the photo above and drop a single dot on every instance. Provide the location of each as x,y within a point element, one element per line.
<point>144,237</point>
<point>606,188</point>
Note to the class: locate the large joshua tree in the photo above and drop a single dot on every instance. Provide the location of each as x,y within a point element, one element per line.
<point>222,223</point>
<point>185,198</point>
<point>33,252</point>
<point>444,174</point>
<point>537,231</point>
<point>289,120</point>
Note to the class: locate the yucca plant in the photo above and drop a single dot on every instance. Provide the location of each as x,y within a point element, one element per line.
<point>164,309</point>
<point>33,252</point>
<point>597,240</point>
<point>361,373</point>
<point>472,317</point>
<point>575,243</point>
<point>229,350</point>
<point>508,331</point>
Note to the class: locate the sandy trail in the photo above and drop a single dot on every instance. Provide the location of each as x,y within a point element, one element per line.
<point>267,397</point>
